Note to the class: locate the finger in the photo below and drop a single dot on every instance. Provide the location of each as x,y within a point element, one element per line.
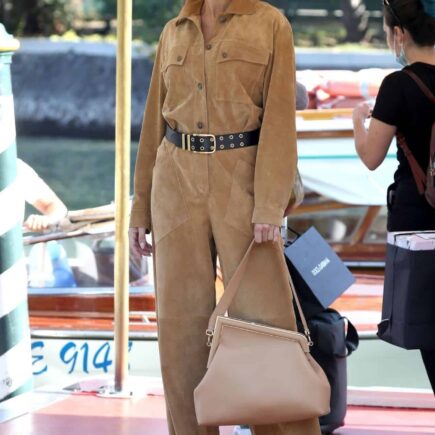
<point>42,223</point>
<point>265,233</point>
<point>134,244</point>
<point>132,235</point>
<point>141,238</point>
<point>257,233</point>
<point>31,222</point>
<point>271,233</point>
<point>135,251</point>
<point>28,224</point>
<point>38,225</point>
<point>276,234</point>
<point>141,245</point>
<point>140,252</point>
<point>148,249</point>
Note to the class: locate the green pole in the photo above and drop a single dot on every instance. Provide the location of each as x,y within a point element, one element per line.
<point>15,347</point>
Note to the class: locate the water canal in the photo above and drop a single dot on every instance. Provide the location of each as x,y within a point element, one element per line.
<point>80,171</point>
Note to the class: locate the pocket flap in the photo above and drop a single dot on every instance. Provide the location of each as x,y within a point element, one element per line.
<point>177,56</point>
<point>237,51</point>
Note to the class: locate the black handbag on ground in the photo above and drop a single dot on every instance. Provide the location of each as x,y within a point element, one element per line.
<point>408,319</point>
<point>332,345</point>
<point>319,275</point>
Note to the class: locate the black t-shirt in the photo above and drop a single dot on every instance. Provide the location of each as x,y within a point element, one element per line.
<point>400,102</point>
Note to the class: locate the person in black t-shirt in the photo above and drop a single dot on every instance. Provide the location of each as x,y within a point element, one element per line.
<point>401,106</point>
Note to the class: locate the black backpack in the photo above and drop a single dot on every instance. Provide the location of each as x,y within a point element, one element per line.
<point>425,181</point>
<point>332,345</point>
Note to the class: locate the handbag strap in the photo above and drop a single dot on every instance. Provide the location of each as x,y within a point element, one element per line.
<point>231,290</point>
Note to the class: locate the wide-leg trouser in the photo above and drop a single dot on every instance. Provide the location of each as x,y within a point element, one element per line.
<point>429,363</point>
<point>202,207</point>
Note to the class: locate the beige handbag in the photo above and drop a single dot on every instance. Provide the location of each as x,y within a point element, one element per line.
<point>258,374</point>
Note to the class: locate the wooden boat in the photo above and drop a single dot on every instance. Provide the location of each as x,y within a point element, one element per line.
<point>341,88</point>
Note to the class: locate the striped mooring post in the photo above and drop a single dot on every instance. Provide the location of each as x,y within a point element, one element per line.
<point>15,346</point>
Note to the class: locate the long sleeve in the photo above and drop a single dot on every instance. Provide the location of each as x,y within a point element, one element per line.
<point>275,167</point>
<point>152,133</point>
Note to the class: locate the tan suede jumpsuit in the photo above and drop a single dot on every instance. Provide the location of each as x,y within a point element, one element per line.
<point>202,205</point>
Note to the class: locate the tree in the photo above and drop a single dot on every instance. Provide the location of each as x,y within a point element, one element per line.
<point>36,17</point>
<point>153,14</point>
<point>355,19</point>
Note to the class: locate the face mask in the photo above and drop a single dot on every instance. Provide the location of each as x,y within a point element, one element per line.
<point>401,58</point>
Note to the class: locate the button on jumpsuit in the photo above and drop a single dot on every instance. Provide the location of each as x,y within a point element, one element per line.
<point>199,206</point>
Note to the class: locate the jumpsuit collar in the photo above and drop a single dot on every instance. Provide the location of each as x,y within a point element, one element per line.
<point>236,7</point>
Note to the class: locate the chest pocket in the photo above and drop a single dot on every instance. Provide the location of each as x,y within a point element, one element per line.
<point>240,70</point>
<point>175,67</point>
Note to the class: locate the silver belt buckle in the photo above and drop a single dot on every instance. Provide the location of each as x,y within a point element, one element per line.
<point>185,142</point>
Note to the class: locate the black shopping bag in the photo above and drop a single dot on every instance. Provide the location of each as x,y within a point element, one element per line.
<point>408,305</point>
<point>319,275</point>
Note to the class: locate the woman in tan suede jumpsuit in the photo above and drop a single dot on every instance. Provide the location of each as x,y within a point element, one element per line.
<point>206,192</point>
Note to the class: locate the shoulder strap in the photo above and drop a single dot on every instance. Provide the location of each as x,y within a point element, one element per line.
<point>231,290</point>
<point>417,172</point>
<point>421,84</point>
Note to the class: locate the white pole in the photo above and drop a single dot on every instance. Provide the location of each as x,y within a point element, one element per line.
<point>122,190</point>
<point>15,348</point>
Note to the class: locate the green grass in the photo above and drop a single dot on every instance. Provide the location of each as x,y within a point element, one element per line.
<point>328,33</point>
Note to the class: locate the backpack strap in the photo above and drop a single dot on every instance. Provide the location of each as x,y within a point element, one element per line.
<point>426,91</point>
<point>352,338</point>
<point>417,172</point>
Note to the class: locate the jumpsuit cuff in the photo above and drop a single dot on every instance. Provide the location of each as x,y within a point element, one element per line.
<point>139,218</point>
<point>268,215</point>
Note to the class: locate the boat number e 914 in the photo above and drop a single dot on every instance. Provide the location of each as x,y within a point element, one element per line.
<point>75,357</point>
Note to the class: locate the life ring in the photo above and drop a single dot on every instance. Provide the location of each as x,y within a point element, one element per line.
<point>363,84</point>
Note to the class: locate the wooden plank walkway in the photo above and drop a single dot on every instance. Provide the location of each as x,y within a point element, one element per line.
<point>86,414</point>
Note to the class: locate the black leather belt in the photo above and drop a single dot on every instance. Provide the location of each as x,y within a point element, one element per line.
<point>210,143</point>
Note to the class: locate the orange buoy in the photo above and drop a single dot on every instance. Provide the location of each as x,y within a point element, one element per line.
<point>364,83</point>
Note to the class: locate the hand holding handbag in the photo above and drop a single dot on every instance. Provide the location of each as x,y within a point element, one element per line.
<point>258,374</point>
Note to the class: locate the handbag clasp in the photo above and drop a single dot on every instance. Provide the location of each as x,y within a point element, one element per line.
<point>308,335</point>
